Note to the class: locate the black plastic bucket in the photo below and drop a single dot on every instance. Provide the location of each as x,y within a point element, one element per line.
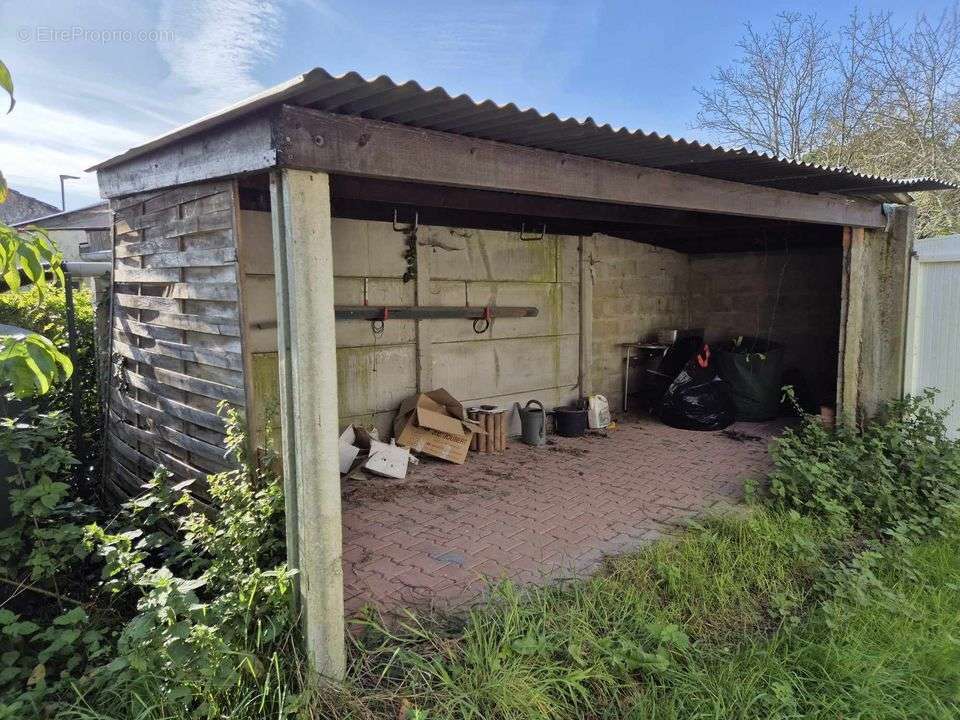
<point>569,422</point>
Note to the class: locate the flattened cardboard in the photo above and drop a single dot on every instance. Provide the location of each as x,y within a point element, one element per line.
<point>348,451</point>
<point>387,460</point>
<point>438,421</point>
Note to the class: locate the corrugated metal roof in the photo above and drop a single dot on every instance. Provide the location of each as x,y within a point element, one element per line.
<point>435,109</point>
<point>95,216</point>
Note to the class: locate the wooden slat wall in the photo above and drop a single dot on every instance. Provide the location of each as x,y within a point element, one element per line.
<point>176,334</point>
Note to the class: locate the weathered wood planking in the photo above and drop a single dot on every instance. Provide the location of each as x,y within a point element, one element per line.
<point>175,334</point>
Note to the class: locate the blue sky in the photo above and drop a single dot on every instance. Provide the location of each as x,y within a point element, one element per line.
<point>97,77</point>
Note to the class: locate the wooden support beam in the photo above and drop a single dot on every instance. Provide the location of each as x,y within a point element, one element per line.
<point>303,254</point>
<point>243,146</point>
<point>876,276</point>
<point>353,188</point>
<point>316,140</point>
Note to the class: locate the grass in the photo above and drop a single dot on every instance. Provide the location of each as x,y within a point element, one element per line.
<point>892,654</point>
<point>733,620</point>
<point>740,617</point>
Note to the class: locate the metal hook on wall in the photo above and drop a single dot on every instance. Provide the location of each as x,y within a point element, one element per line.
<point>378,325</point>
<point>406,227</point>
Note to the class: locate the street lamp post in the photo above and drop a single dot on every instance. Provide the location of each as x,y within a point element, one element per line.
<point>63,197</point>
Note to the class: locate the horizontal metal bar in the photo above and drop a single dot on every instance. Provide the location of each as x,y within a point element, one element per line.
<point>423,312</point>
<point>429,312</point>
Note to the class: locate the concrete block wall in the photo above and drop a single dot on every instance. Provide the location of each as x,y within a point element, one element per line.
<point>637,288</point>
<point>514,360</point>
<point>791,297</point>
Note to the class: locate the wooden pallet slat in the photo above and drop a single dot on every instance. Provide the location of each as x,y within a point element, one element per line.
<point>226,359</point>
<point>124,273</point>
<point>191,258</point>
<point>176,326</point>
<point>175,408</point>
<point>146,302</point>
<point>208,388</point>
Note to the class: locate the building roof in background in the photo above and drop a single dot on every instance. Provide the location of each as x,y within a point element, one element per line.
<point>88,217</point>
<point>435,109</point>
<point>20,207</point>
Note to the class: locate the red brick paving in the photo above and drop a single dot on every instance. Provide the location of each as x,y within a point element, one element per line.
<point>534,515</point>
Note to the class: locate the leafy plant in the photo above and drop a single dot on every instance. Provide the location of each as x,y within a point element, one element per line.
<point>44,313</point>
<point>47,636</point>
<point>29,364</point>
<point>894,477</point>
<point>212,592</point>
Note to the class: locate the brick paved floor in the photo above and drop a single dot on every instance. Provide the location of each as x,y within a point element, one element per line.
<point>534,514</point>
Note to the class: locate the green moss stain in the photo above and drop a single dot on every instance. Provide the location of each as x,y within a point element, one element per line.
<point>265,379</point>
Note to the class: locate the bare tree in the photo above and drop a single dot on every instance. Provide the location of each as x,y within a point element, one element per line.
<point>775,96</point>
<point>876,96</point>
<point>916,127</point>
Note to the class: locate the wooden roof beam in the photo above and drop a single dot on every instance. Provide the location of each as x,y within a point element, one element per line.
<point>316,140</point>
<point>301,138</point>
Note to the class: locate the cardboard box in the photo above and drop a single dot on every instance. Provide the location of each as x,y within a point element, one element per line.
<point>435,424</point>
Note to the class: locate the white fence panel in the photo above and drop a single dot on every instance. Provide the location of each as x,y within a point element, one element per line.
<point>933,325</point>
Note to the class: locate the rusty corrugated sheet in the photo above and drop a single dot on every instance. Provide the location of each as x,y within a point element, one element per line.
<point>435,109</point>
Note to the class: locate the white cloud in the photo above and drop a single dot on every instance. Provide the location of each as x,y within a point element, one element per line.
<point>216,45</point>
<point>38,143</point>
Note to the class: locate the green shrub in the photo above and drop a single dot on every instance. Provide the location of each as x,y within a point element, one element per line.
<point>45,574</point>
<point>893,477</point>
<point>46,313</point>
<point>211,592</point>
<point>168,609</point>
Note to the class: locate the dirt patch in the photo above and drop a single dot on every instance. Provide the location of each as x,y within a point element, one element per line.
<point>383,490</point>
<point>575,452</point>
<point>738,436</point>
<point>373,489</point>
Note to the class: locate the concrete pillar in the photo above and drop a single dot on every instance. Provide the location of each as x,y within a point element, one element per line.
<point>876,279</point>
<point>586,316</point>
<point>303,254</point>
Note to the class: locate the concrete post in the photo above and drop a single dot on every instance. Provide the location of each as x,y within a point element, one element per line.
<point>876,279</point>
<point>585,252</point>
<point>303,254</point>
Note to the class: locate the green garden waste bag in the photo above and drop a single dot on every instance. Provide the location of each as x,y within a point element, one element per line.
<point>752,367</point>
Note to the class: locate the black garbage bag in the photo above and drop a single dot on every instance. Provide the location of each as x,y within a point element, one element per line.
<point>753,368</point>
<point>698,399</point>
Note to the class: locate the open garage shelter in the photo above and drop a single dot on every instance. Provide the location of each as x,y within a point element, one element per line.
<point>255,250</point>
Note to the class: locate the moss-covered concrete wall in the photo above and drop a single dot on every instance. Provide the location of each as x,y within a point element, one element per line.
<point>514,360</point>
<point>634,289</point>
